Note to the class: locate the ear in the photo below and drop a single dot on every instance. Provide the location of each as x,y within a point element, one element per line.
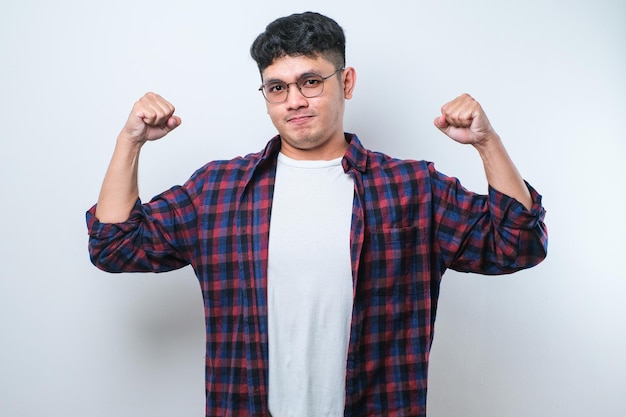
<point>349,81</point>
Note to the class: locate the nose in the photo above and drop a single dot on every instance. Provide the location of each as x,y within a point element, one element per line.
<point>295,98</point>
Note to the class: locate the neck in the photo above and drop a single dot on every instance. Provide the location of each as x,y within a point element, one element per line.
<point>332,149</point>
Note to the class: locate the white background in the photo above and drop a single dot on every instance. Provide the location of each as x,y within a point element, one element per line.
<point>79,342</point>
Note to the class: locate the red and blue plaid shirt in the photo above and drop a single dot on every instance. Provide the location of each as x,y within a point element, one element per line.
<point>409,224</point>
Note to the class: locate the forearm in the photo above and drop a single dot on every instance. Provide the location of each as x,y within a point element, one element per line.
<point>501,172</point>
<point>119,190</point>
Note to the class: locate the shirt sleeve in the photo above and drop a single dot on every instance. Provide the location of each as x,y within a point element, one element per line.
<point>488,234</point>
<point>157,237</point>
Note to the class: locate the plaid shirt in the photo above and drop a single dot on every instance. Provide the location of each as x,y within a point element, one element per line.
<point>409,224</point>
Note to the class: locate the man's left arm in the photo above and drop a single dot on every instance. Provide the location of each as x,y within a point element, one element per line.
<point>464,120</point>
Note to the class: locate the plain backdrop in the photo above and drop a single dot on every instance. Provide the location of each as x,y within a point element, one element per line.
<point>76,342</point>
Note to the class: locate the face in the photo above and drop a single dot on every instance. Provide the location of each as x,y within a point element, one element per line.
<point>310,128</point>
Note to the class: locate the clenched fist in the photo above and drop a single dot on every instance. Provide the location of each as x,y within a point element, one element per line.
<point>464,120</point>
<point>151,118</point>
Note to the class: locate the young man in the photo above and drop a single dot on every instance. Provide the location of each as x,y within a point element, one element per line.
<point>319,260</point>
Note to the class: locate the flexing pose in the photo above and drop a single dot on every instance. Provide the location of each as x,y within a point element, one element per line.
<point>319,260</point>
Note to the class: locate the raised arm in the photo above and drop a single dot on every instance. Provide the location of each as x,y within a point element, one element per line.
<point>464,120</point>
<point>151,118</point>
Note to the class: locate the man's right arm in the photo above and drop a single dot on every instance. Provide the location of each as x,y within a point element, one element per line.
<point>151,118</point>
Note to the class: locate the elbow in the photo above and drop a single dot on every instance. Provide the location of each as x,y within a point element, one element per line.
<point>534,248</point>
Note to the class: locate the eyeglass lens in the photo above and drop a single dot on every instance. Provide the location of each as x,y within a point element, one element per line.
<point>310,86</point>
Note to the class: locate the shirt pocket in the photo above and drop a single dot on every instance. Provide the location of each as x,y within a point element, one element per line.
<point>397,262</point>
<point>394,297</point>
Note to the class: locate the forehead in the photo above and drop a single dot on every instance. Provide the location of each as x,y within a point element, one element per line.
<point>291,67</point>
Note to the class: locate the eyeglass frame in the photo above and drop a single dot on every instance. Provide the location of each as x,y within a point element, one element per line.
<point>262,88</point>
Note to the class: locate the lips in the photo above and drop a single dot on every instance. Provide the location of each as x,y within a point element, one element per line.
<point>299,118</point>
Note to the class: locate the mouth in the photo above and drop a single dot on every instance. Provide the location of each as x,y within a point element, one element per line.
<point>299,119</point>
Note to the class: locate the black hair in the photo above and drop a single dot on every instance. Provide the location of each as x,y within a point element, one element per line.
<point>304,34</point>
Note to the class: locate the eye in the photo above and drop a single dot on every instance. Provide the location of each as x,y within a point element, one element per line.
<point>276,88</point>
<point>310,82</point>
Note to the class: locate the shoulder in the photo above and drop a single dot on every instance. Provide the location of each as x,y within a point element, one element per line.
<point>370,162</point>
<point>382,164</point>
<point>240,164</point>
<point>235,171</point>
<point>379,167</point>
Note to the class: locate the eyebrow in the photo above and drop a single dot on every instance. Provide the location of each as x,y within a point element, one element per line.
<point>303,75</point>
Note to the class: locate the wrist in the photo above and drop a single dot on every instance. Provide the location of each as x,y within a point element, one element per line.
<point>491,143</point>
<point>128,142</point>
<point>127,151</point>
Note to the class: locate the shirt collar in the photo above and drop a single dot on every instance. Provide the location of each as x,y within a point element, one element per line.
<point>355,156</point>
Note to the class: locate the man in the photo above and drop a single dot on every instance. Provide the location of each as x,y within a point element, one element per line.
<point>319,260</point>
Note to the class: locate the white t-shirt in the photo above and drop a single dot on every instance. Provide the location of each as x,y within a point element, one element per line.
<point>309,288</point>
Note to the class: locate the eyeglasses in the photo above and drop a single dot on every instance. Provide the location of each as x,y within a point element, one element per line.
<point>309,86</point>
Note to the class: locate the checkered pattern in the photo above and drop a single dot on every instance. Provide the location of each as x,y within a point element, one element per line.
<point>409,224</point>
